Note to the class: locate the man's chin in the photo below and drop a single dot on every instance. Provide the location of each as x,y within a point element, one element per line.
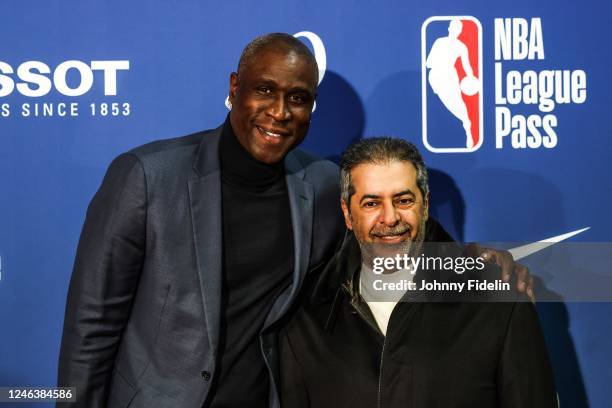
<point>386,248</point>
<point>267,155</point>
<point>271,154</point>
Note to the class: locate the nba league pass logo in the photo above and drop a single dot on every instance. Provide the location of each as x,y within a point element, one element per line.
<point>451,55</point>
<point>525,98</point>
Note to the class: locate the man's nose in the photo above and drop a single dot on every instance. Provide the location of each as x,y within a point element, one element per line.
<point>389,215</point>
<point>279,109</point>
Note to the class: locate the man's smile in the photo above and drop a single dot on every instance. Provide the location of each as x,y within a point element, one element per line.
<point>393,238</point>
<point>272,135</point>
<point>398,233</point>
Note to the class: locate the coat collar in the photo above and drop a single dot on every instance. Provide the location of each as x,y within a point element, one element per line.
<point>340,278</point>
<point>207,156</point>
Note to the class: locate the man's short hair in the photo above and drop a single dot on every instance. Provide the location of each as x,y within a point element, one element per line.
<point>282,41</point>
<point>380,150</point>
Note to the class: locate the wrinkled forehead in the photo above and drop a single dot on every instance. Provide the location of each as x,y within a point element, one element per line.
<point>385,179</point>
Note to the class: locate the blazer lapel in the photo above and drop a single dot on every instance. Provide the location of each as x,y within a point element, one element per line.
<point>301,202</point>
<point>205,202</point>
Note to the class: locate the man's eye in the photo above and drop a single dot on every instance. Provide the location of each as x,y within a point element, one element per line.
<point>370,204</point>
<point>264,90</point>
<point>298,98</point>
<point>406,202</point>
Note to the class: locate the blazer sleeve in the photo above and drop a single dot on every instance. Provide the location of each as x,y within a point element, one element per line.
<point>525,376</point>
<point>104,281</point>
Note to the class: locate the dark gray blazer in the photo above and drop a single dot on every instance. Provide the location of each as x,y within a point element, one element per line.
<point>142,318</point>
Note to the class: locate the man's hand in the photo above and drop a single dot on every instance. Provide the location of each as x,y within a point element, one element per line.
<point>524,281</point>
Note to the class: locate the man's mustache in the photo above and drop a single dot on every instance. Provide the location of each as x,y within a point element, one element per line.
<point>399,229</point>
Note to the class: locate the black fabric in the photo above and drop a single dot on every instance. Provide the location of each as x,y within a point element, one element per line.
<point>435,354</point>
<point>257,265</point>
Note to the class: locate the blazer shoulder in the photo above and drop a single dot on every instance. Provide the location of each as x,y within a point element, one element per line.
<point>172,145</point>
<point>318,170</point>
<point>176,155</point>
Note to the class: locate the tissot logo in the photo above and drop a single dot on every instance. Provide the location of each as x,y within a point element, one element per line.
<point>35,78</point>
<point>451,54</point>
<point>72,78</point>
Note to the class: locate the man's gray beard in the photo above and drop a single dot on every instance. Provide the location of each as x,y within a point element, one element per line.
<point>412,248</point>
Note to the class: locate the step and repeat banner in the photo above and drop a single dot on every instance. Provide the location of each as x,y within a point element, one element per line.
<point>508,102</point>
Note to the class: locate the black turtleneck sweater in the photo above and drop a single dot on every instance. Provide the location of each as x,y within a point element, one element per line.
<point>258,259</point>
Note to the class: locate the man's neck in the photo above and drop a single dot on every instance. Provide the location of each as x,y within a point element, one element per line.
<point>239,168</point>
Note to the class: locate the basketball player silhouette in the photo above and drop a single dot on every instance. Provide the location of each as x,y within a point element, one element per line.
<point>443,76</point>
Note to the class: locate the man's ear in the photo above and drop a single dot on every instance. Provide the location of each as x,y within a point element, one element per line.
<point>233,86</point>
<point>347,214</point>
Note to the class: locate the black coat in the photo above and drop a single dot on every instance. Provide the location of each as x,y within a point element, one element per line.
<point>435,354</point>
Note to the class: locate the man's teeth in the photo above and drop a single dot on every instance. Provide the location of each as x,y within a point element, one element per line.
<point>270,133</point>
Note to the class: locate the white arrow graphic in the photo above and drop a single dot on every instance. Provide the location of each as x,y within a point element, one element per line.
<point>529,249</point>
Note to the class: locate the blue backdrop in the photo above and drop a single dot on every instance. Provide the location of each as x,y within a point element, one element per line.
<point>180,54</point>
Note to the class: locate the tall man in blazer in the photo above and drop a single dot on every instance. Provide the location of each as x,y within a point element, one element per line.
<point>194,248</point>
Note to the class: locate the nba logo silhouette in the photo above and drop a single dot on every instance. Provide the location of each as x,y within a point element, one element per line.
<point>451,63</point>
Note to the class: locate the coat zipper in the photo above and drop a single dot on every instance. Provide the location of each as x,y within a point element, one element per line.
<point>382,352</point>
<point>380,367</point>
